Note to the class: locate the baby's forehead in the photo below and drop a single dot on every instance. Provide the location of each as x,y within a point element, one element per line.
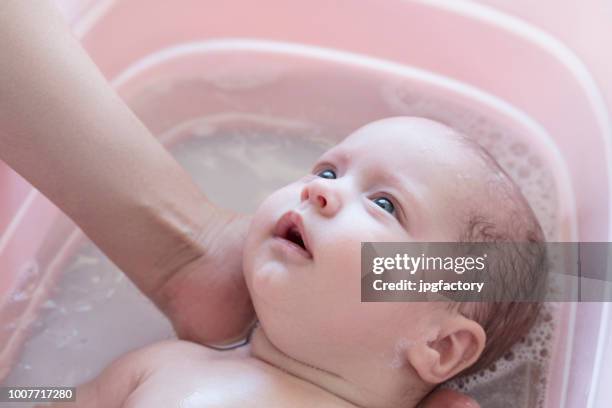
<point>402,132</point>
<point>405,140</point>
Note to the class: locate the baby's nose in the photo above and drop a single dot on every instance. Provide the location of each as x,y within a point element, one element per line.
<point>322,196</point>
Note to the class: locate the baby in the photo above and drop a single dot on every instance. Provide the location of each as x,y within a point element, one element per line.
<point>317,344</point>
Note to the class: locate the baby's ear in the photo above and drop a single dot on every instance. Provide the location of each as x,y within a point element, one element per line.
<point>458,345</point>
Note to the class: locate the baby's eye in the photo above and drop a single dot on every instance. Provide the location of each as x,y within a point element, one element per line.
<point>327,174</point>
<point>385,204</point>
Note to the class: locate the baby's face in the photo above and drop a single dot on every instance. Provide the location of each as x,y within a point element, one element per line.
<point>399,179</point>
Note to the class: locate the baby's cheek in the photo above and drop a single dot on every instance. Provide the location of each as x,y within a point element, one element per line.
<point>341,276</point>
<point>264,280</point>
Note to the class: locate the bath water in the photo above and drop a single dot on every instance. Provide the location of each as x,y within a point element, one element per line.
<point>246,120</point>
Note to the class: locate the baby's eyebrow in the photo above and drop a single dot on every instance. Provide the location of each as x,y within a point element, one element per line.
<point>407,196</point>
<point>400,186</point>
<point>336,157</point>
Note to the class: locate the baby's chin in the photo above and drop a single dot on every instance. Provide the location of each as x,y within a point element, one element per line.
<point>268,281</point>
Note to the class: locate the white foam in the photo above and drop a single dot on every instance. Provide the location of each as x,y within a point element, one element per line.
<point>534,349</point>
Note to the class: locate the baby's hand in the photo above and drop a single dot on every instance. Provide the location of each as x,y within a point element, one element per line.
<point>207,300</point>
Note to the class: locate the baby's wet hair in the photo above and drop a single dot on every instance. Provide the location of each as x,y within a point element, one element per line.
<point>511,231</point>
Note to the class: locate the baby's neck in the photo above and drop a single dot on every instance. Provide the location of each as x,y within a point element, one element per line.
<point>263,349</point>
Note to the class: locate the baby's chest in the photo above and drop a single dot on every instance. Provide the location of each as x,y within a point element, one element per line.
<point>228,384</point>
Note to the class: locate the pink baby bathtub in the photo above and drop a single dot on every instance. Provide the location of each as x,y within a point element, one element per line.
<point>543,59</point>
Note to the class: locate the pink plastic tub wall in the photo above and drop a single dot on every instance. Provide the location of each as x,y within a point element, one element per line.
<point>506,51</point>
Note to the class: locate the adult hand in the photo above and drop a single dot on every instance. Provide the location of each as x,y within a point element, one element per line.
<point>445,398</point>
<point>207,300</point>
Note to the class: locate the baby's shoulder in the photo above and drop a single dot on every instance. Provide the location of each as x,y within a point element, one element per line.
<point>155,363</point>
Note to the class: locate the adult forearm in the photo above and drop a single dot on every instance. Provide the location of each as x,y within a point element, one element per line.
<point>66,131</point>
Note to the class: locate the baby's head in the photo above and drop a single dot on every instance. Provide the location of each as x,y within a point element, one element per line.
<point>397,180</point>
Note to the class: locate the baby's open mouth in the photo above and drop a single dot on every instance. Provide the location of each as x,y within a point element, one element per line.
<point>291,228</point>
